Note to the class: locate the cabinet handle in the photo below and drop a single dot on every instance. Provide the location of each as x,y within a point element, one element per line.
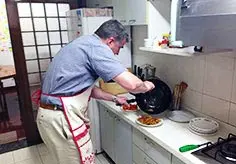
<point>132,21</point>
<point>122,21</point>
<point>146,162</point>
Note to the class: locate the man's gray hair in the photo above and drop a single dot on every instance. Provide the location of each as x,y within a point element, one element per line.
<point>112,28</point>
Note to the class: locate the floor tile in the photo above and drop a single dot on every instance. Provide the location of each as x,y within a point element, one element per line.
<point>25,154</point>
<point>42,149</point>
<point>30,161</point>
<point>7,158</point>
<point>47,159</point>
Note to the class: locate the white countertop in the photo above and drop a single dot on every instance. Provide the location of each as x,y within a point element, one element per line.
<point>170,135</point>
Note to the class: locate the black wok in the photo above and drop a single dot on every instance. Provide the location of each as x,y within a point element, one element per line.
<point>155,101</point>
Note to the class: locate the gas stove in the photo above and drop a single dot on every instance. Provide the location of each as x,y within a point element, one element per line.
<point>221,152</point>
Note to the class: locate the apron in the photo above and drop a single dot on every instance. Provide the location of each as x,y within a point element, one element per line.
<point>76,115</point>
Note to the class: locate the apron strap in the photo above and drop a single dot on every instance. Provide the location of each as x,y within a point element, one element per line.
<point>36,95</point>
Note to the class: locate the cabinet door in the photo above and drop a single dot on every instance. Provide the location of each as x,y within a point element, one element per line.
<point>120,10</point>
<point>107,131</point>
<point>138,155</point>
<point>157,153</point>
<point>123,142</point>
<point>136,13</point>
<point>92,3</point>
<point>176,160</point>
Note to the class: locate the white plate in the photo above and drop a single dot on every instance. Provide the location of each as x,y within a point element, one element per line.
<point>180,116</point>
<point>203,125</point>
<point>158,124</point>
<point>201,134</point>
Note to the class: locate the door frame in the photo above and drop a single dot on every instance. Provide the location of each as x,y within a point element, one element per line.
<point>26,109</point>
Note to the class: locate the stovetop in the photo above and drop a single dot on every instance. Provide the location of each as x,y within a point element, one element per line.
<point>221,152</point>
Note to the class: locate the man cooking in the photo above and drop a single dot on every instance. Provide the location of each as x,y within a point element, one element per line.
<point>68,85</point>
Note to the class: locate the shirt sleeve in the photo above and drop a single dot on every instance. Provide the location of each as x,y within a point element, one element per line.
<point>105,64</point>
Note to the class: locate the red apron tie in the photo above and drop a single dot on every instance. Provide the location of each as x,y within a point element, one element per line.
<point>36,95</point>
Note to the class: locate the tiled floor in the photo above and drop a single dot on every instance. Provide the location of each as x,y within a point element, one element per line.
<point>36,155</point>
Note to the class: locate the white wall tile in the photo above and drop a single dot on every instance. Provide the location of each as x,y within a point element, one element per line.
<point>218,76</point>
<point>139,34</point>
<point>232,114</point>
<point>192,99</point>
<point>233,97</point>
<point>191,71</point>
<point>215,107</point>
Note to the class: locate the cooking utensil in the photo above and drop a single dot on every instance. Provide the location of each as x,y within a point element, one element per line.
<point>191,147</point>
<point>149,71</point>
<point>155,101</point>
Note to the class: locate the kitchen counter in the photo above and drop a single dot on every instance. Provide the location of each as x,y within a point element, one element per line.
<point>171,135</point>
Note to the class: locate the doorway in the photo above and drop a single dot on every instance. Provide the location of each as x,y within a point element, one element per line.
<point>37,30</point>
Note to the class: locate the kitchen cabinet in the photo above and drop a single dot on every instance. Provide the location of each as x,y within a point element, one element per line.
<point>116,137</point>
<point>98,3</point>
<point>153,152</point>
<point>107,131</point>
<point>176,160</point>
<point>123,142</point>
<point>139,157</point>
<point>131,12</point>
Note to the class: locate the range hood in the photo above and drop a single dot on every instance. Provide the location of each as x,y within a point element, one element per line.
<point>207,23</point>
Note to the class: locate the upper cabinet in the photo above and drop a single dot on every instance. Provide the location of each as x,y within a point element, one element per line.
<point>130,12</point>
<point>98,3</point>
<point>207,23</point>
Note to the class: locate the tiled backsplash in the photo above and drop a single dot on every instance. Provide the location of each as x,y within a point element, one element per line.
<point>211,78</point>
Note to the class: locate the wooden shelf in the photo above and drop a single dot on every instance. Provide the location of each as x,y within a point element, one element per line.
<point>170,51</point>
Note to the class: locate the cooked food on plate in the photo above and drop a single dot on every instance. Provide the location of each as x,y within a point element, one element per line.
<point>130,107</point>
<point>148,120</point>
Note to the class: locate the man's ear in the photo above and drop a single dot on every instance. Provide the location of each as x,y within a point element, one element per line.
<point>110,40</point>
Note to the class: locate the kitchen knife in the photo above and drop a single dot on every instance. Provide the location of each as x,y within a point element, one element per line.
<point>128,101</point>
<point>135,70</point>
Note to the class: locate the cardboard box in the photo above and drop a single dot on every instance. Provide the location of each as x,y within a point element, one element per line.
<point>112,87</point>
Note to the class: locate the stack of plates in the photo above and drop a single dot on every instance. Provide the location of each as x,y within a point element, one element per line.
<point>203,126</point>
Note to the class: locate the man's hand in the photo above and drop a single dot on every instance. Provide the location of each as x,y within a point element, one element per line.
<point>121,100</point>
<point>149,85</point>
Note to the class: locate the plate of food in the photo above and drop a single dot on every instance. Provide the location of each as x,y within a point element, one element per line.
<point>130,108</point>
<point>149,121</point>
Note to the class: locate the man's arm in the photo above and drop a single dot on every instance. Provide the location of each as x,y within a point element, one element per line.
<point>97,93</point>
<point>132,83</point>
